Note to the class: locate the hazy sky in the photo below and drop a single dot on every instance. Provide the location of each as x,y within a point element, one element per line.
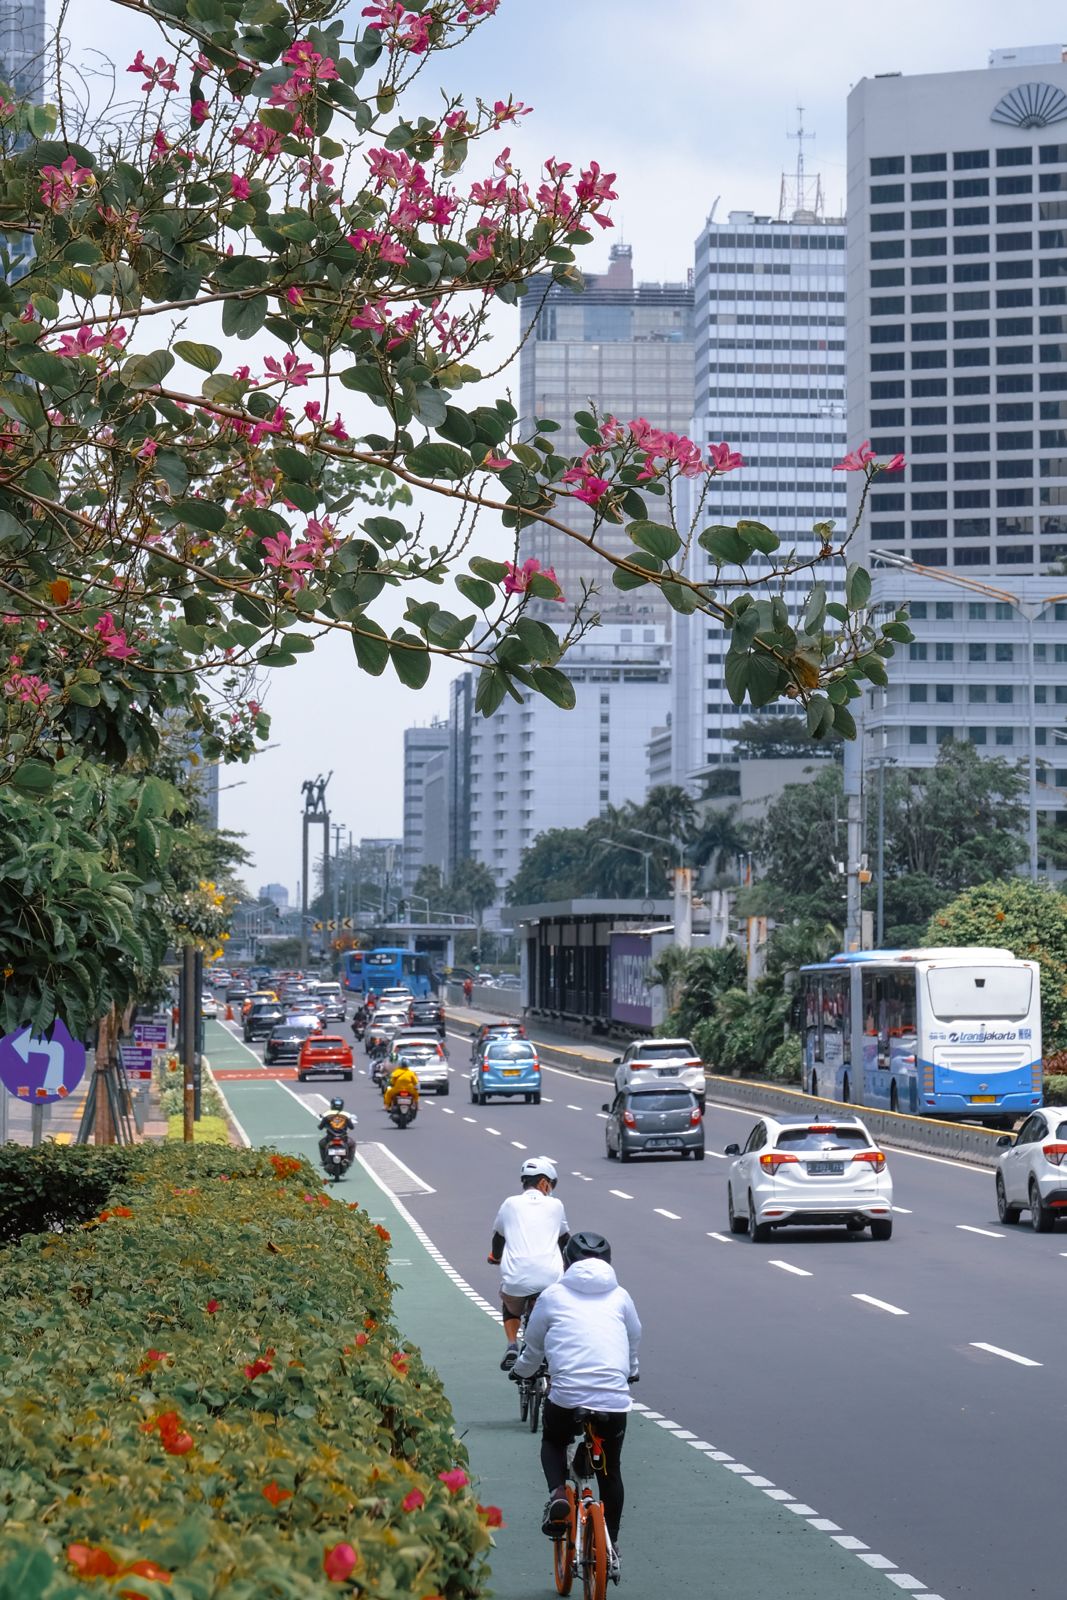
<point>688,102</point>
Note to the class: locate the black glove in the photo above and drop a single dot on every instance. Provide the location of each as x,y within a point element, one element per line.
<point>635,1377</point>
<point>513,1375</point>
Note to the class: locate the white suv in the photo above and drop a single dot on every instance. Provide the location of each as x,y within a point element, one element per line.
<point>661,1058</point>
<point>796,1172</point>
<point>1032,1172</point>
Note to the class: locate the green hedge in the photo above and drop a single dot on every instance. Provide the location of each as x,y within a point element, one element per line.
<point>202,1394</point>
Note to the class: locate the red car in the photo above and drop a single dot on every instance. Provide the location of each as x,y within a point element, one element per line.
<point>325,1052</point>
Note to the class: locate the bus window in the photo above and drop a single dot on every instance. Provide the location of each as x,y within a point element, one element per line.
<point>900,1004</point>
<point>836,1018</point>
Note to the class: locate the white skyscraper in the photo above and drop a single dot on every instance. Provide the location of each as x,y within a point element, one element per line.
<point>770,380</point>
<point>957,260</point>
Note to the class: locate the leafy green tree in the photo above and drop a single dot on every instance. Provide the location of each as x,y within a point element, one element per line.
<point>554,867</point>
<point>716,840</point>
<point>430,888</point>
<point>958,822</point>
<point>1030,920</point>
<point>799,845</point>
<point>472,886</point>
<point>778,739</point>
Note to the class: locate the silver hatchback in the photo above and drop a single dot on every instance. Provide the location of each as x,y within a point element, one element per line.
<point>659,1117</point>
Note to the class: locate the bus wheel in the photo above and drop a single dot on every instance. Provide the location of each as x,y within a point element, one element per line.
<point>846,1093</point>
<point>894,1103</point>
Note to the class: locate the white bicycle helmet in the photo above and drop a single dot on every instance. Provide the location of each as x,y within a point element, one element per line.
<point>539,1167</point>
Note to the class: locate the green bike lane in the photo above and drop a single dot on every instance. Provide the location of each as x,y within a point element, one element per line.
<point>690,1519</point>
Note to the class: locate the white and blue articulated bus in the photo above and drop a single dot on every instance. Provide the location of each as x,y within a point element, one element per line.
<point>938,1032</point>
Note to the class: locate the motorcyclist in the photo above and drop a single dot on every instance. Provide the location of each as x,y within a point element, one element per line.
<point>402,1081</point>
<point>337,1120</point>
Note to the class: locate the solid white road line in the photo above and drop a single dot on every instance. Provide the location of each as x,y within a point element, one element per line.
<point>671,1215</point>
<point>1008,1355</point>
<point>882,1305</point>
<point>621,1193</point>
<point>987,1233</point>
<point>787,1266</point>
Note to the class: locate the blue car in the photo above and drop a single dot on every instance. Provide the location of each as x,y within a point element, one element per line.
<point>506,1067</point>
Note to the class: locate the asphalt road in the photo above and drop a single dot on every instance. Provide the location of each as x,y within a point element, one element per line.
<point>896,1394</point>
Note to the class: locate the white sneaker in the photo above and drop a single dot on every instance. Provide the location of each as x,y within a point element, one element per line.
<point>614,1565</point>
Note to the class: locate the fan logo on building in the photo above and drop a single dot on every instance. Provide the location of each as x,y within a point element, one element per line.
<point>1031,105</point>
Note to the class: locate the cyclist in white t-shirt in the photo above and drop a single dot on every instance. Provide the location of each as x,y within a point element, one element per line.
<point>529,1236</point>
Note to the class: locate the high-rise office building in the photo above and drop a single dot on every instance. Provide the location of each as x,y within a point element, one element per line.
<point>461,718</point>
<point>534,766</point>
<point>957,260</point>
<point>422,834</point>
<point>629,348</point>
<point>22,46</point>
<point>276,893</point>
<point>770,380</point>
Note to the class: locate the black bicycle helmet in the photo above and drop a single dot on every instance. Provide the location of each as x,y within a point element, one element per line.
<point>586,1247</point>
<point>337,1104</point>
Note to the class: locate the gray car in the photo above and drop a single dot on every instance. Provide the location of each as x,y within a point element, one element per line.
<point>661,1116</point>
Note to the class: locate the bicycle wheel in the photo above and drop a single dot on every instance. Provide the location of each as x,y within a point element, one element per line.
<point>524,1398</point>
<point>594,1553</point>
<point>563,1551</point>
<point>537,1395</point>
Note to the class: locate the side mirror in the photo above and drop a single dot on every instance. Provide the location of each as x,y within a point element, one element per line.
<point>732,1150</point>
<point>1005,1140</point>
<point>616,1061</point>
<point>605,1106</point>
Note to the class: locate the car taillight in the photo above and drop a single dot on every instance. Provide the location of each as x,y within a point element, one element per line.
<point>696,1062</point>
<point>629,1119</point>
<point>874,1158</point>
<point>775,1158</point>
<point>820,1127</point>
<point>1054,1153</point>
<point>694,1116</point>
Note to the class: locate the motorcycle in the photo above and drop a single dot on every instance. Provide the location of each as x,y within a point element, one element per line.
<point>403,1110</point>
<point>337,1159</point>
<point>359,1023</point>
<point>379,1072</point>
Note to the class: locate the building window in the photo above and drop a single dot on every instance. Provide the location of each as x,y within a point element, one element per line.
<point>917,651</point>
<point>917,693</point>
<point>944,651</point>
<point>1004,694</point>
<point>887,222</point>
<point>886,166</point>
<point>916,735</point>
<point>917,610</point>
<point>944,694</point>
<point>1016,156</point>
<point>928,275</point>
<point>1004,652</point>
<point>925,359</point>
<point>929,163</point>
<point>924,219</point>
<point>971,216</point>
<point>928,304</point>
<point>979,357</point>
<point>944,610</point>
<point>976,611</point>
<point>929,191</point>
<point>929,528</point>
<point>970,272</point>
<point>926,247</point>
<point>1023,212</point>
<point>1015,183</point>
<point>976,735</point>
<point>887,305</point>
<point>970,188</point>
<point>971,385</point>
<point>887,194</point>
<point>929,500</point>
<point>886,249</point>
<point>928,416</point>
<point>970,443</point>
<point>1004,735</point>
<point>977,694</point>
<point>977,652</point>
<point>972,555</point>
<point>971,470</point>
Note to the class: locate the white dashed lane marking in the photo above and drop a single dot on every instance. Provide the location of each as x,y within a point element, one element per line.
<point>787,1266</point>
<point>987,1233</point>
<point>671,1215</point>
<point>470,1119</point>
<point>723,1238</point>
<point>621,1194</point>
<point>495,1131</point>
<point>517,1145</point>
<point>1008,1355</point>
<point>881,1305</point>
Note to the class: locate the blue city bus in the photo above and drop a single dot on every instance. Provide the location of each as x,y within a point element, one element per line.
<point>388,967</point>
<point>352,972</point>
<point>938,1032</point>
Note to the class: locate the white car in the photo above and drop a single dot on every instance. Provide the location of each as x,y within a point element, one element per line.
<point>209,1006</point>
<point>1032,1172</point>
<point>661,1058</point>
<point>400,995</point>
<point>794,1172</point>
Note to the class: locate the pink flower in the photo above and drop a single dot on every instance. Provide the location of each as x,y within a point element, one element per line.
<point>496,463</point>
<point>147,450</point>
<point>339,1562</point>
<point>295,297</point>
<point>114,638</point>
<point>240,188</point>
<point>372,317</point>
<point>313,411</point>
<point>28,688</point>
<point>593,487</point>
<point>199,112</point>
<point>478,9</point>
<point>61,185</point>
<point>258,137</point>
<point>160,147</point>
<point>309,64</point>
<point>517,579</point>
<point>894,464</point>
<point>315,171</point>
<point>414,1500</point>
<point>509,111</point>
<point>723,459</point>
<point>455,1480</point>
<point>160,74</point>
<point>337,429</point>
<point>858,460</point>
<point>291,370</point>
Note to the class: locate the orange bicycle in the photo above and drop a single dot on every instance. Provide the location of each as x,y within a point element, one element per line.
<point>584,1551</point>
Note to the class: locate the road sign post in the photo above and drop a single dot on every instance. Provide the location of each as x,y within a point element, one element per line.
<point>189,1008</point>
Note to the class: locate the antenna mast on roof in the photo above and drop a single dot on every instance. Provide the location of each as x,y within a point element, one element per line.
<point>801,198</point>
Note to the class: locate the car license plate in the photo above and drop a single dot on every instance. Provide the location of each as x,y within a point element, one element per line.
<point>983,1099</point>
<point>511,1072</point>
<point>663,1144</point>
<point>822,1169</point>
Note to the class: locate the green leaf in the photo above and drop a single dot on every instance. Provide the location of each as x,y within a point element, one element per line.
<point>872,666</point>
<point>539,639</point>
<point>736,675</point>
<point>33,777</point>
<point>725,545</point>
<point>205,514</point>
<point>654,537</point>
<point>371,647</point>
<point>410,658</point>
<point>294,463</point>
<point>203,356</point>
<point>10,527</point>
<point>477,591</point>
<point>758,536</point>
<point>44,367</point>
<point>555,686</point>
<point>820,716</point>
<point>815,610</point>
<point>679,597</point>
<point>844,722</point>
<point>385,531</point>
<point>433,460</point>
<point>147,372</point>
<point>491,689</point>
<point>764,678</point>
<point>430,406</point>
<point>857,586</point>
<point>243,318</point>
<point>457,427</point>
<point>367,379</point>
<point>491,571</point>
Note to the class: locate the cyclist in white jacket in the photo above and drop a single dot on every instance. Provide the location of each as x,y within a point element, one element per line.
<point>587,1328</point>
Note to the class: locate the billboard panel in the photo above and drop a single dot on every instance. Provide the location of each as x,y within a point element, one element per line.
<point>631,993</point>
